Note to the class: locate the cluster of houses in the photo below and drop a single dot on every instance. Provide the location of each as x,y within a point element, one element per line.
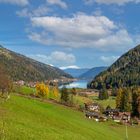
<point>60,81</point>
<point>93,111</point>
<point>23,83</point>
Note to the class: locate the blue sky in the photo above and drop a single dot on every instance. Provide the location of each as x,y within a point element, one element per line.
<point>70,33</point>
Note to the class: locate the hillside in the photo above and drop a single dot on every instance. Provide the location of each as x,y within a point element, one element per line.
<point>124,72</point>
<point>76,72</point>
<point>27,119</point>
<point>90,74</point>
<point>20,67</point>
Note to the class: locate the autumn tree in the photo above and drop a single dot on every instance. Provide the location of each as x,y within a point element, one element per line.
<point>55,92</point>
<point>42,89</point>
<point>5,83</point>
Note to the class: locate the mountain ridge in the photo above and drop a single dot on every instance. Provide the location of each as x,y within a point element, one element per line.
<point>20,67</point>
<point>122,73</point>
<point>91,73</point>
<point>76,72</point>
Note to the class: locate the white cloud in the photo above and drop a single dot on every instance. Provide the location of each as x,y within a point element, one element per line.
<point>80,31</point>
<point>56,58</point>
<point>109,59</point>
<point>60,3</point>
<point>42,10</point>
<point>16,2</point>
<point>118,2</point>
<point>70,67</point>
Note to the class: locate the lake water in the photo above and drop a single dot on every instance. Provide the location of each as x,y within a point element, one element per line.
<point>77,84</point>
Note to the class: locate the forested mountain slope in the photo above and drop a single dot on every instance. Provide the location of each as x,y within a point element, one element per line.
<point>124,72</point>
<point>20,67</point>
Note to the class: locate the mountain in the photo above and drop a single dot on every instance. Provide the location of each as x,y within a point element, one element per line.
<point>90,74</point>
<point>124,72</point>
<point>20,67</point>
<point>76,72</point>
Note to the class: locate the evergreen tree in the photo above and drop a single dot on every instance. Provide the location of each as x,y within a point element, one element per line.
<point>135,94</point>
<point>64,95</point>
<point>114,92</point>
<point>103,94</point>
<point>73,91</point>
<point>138,106</point>
<point>127,99</point>
<point>119,98</point>
<point>124,100</point>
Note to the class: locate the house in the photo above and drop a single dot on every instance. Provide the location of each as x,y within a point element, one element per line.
<point>20,83</point>
<point>125,117</point>
<point>112,113</point>
<point>91,115</point>
<point>96,116</point>
<point>93,107</point>
<point>31,84</point>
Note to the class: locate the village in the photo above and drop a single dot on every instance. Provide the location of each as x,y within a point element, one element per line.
<point>58,82</point>
<point>93,111</point>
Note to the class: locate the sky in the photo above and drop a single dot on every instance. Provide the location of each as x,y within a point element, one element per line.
<point>70,33</point>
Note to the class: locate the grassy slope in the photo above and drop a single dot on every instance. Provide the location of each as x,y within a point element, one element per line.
<point>28,119</point>
<point>24,90</point>
<point>111,101</point>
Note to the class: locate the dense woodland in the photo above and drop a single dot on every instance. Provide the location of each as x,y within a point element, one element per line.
<point>19,67</point>
<point>125,72</point>
<point>128,100</point>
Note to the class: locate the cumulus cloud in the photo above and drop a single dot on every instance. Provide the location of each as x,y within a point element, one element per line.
<point>80,31</point>
<point>17,2</point>
<point>56,58</point>
<point>60,3</point>
<point>109,59</point>
<point>118,2</point>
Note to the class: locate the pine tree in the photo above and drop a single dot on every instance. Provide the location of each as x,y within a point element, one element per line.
<point>119,98</point>
<point>135,94</point>
<point>138,106</point>
<point>127,99</point>
<point>124,100</point>
<point>64,95</point>
<point>103,94</point>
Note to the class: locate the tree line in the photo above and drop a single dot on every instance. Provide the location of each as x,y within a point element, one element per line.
<point>64,95</point>
<point>127,99</point>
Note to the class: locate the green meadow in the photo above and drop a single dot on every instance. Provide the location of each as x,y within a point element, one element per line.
<point>29,119</point>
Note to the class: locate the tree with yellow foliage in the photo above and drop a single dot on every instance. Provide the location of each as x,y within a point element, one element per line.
<point>42,89</point>
<point>55,92</point>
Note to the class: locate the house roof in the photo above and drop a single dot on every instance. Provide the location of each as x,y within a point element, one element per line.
<point>94,114</point>
<point>125,113</point>
<point>112,110</point>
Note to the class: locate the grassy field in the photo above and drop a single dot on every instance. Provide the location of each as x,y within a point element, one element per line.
<point>28,119</point>
<point>24,90</point>
<point>111,101</point>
